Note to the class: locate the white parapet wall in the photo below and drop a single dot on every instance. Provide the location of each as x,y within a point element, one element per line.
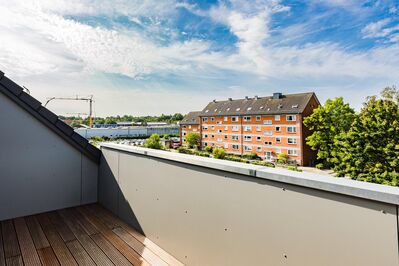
<point>206,211</point>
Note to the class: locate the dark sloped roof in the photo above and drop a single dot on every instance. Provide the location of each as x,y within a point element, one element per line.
<point>286,104</point>
<point>192,118</point>
<point>34,107</point>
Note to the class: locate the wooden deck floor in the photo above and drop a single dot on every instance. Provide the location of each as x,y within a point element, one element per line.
<point>86,235</point>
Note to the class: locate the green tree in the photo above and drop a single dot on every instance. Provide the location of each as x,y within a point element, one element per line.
<point>328,122</point>
<point>370,149</point>
<point>192,139</point>
<point>218,153</point>
<point>153,142</point>
<point>177,117</point>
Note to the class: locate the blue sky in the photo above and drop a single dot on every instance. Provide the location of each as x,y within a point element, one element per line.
<point>152,56</point>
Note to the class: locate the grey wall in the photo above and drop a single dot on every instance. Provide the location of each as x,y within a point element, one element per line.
<point>127,131</point>
<point>206,216</point>
<point>39,171</point>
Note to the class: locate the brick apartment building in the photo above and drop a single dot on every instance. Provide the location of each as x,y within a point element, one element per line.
<point>265,125</point>
<point>190,123</point>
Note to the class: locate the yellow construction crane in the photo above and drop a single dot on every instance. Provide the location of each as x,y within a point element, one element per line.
<point>77,98</point>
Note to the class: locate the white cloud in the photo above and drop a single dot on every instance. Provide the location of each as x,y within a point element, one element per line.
<point>379,29</point>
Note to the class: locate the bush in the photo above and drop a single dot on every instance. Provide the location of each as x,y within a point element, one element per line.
<point>184,150</point>
<point>294,168</point>
<point>320,166</point>
<point>282,158</point>
<point>208,149</point>
<point>202,153</point>
<point>218,153</point>
<point>166,136</point>
<point>267,164</point>
<point>97,138</point>
<point>232,158</point>
<point>153,142</point>
<point>251,156</point>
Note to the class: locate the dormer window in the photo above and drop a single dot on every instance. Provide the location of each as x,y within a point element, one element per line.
<point>228,109</point>
<point>295,106</point>
<point>261,107</point>
<point>238,109</point>
<point>249,108</point>
<point>216,110</point>
<point>206,111</point>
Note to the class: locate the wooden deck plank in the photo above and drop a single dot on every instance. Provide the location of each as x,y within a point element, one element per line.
<point>88,244</point>
<point>116,241</point>
<point>36,231</point>
<point>2,258</point>
<point>79,253</point>
<point>64,231</point>
<point>106,215</point>
<point>47,257</point>
<point>61,251</point>
<point>113,254</point>
<point>139,247</point>
<point>15,261</point>
<point>11,246</point>
<point>86,225</point>
<point>28,250</point>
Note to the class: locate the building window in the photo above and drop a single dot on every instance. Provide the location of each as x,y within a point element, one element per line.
<point>219,140</point>
<point>291,140</point>
<point>226,128</point>
<point>247,148</point>
<point>226,146</point>
<point>258,138</point>
<point>212,136</point>
<point>268,133</point>
<point>225,119</point>
<point>213,127</point>
<point>212,119</point>
<point>258,148</point>
<point>234,128</point>
<point>205,119</point>
<point>268,143</point>
<point>258,128</point>
<point>278,150</point>
<point>234,137</point>
<point>204,127</point>
<point>226,137</point>
<point>247,138</point>
<point>184,133</point>
<point>218,122</point>
<point>277,117</point>
<point>291,129</point>
<point>205,135</point>
<point>278,129</point>
<point>291,152</point>
<point>278,139</point>
<point>247,128</point>
<point>267,122</point>
<point>291,118</point>
<point>234,146</point>
<point>219,131</point>
<point>234,118</point>
<point>247,118</point>
<point>184,126</point>
<point>205,144</point>
<point>257,118</point>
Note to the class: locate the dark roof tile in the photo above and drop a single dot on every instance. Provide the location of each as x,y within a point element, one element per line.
<point>192,118</point>
<point>286,104</point>
<point>11,86</point>
<point>29,100</point>
<point>67,130</point>
<point>46,113</point>
<point>79,139</point>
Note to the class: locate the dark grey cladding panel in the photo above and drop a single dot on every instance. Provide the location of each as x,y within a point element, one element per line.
<point>67,130</point>
<point>46,113</point>
<point>29,100</point>
<point>79,139</point>
<point>11,86</point>
<point>34,107</point>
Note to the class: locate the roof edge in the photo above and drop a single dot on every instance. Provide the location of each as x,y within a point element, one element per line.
<point>14,92</point>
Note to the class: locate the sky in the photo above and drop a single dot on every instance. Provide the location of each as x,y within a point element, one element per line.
<point>148,57</point>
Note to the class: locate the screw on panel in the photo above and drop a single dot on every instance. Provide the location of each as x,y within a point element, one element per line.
<point>383,211</point>
<point>225,229</point>
<point>283,189</point>
<point>185,211</point>
<point>285,256</point>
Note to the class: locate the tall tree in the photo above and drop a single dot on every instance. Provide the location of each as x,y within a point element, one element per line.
<point>328,122</point>
<point>370,149</point>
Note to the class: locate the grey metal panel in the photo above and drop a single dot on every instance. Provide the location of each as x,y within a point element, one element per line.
<point>212,217</point>
<point>89,181</point>
<point>108,180</point>
<point>39,170</point>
